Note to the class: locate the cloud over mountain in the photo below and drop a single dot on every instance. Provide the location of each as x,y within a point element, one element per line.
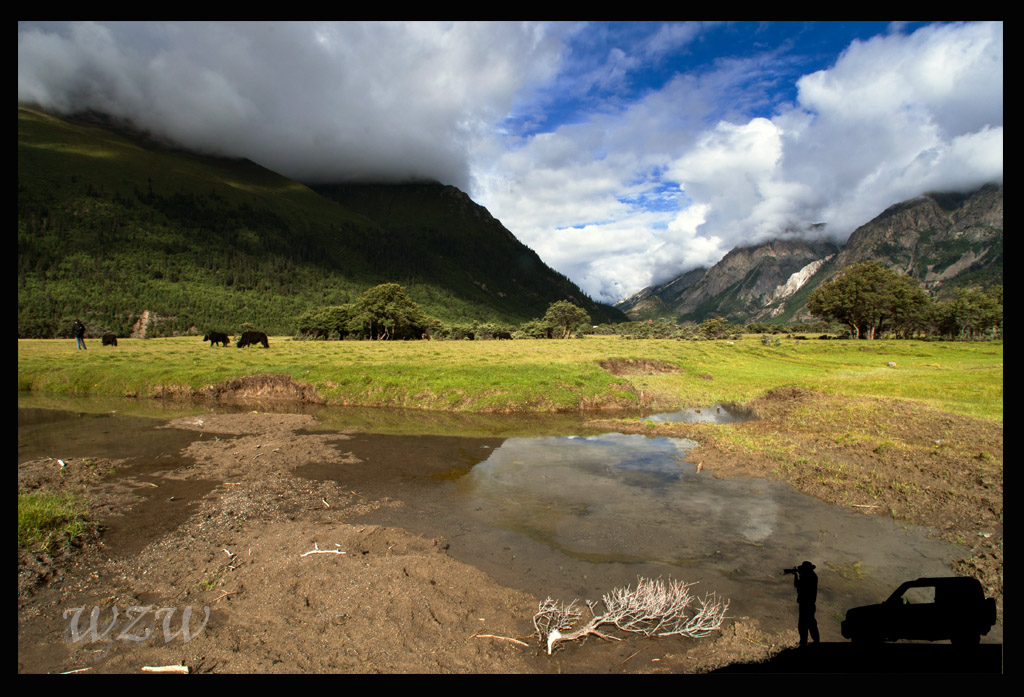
<point>313,101</point>
<point>623,153</point>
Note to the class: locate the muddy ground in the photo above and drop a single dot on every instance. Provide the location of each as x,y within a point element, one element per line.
<point>292,583</point>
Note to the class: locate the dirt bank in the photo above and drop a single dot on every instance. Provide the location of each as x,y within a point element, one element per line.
<point>288,582</point>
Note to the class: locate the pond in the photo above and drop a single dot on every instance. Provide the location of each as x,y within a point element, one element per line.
<point>558,510</point>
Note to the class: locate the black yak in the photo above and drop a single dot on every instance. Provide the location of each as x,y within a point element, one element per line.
<point>217,338</point>
<point>253,338</point>
<point>109,340</point>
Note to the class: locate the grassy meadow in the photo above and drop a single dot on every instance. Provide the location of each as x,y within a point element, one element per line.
<point>532,375</point>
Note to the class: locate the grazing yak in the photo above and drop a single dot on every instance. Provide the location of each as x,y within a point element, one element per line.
<point>217,338</point>
<point>253,338</point>
<point>109,340</point>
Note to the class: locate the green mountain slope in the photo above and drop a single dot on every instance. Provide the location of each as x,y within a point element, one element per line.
<point>112,224</point>
<point>438,228</point>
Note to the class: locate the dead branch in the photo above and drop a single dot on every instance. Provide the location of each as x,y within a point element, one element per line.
<point>654,608</point>
<point>182,670</point>
<point>629,657</point>
<point>316,550</point>
<point>319,508</point>
<point>503,638</point>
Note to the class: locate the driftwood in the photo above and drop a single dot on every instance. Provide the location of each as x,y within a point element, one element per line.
<point>316,550</point>
<point>181,670</point>
<point>502,638</point>
<point>654,608</point>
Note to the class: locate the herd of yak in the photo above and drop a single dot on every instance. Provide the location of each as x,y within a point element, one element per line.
<point>247,339</point>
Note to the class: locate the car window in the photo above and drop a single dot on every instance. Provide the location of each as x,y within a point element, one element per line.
<point>919,596</point>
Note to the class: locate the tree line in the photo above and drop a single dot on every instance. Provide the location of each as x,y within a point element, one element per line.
<point>871,301</point>
<point>386,312</point>
<point>867,301</point>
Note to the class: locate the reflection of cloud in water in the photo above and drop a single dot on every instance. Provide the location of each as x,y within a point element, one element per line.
<point>617,495</point>
<point>715,414</point>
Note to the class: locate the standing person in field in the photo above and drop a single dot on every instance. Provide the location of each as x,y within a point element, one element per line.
<point>806,582</point>
<point>78,329</point>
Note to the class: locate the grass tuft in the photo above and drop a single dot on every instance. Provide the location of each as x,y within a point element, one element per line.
<point>48,520</point>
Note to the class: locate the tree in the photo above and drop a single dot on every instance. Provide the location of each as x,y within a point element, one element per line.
<point>534,329</point>
<point>566,316</point>
<point>866,297</point>
<point>971,313</point>
<point>907,307</point>
<point>325,321</point>
<point>714,328</point>
<point>386,312</point>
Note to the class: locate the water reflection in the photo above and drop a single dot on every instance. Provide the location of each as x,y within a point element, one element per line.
<point>60,433</point>
<point>574,514</point>
<point>715,414</point>
<point>616,496</point>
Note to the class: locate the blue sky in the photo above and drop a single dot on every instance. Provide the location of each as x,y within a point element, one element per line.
<point>623,153</point>
<point>612,65</point>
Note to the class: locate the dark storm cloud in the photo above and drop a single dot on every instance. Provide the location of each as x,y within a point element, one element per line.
<point>313,101</point>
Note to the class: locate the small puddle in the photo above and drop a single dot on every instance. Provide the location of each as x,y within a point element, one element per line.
<point>715,414</point>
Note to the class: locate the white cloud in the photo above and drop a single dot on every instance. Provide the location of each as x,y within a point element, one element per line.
<point>894,117</point>
<point>898,116</point>
<point>949,74</point>
<point>732,169</point>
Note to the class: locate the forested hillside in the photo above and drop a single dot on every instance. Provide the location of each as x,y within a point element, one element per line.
<point>112,224</point>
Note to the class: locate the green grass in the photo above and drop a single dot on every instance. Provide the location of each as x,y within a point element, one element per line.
<point>47,519</point>
<point>533,375</point>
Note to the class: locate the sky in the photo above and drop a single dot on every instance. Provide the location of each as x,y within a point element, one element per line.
<point>624,154</point>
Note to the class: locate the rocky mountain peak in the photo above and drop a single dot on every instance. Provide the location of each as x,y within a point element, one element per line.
<point>944,240</point>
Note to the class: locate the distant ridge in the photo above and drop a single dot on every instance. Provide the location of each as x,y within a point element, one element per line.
<point>943,240</point>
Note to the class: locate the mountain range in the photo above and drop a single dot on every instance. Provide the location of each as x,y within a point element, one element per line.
<point>118,228</point>
<point>942,240</point>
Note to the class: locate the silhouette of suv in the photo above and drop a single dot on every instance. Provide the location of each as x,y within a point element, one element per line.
<point>958,611</point>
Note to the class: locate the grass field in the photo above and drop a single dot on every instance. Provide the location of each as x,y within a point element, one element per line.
<point>532,375</point>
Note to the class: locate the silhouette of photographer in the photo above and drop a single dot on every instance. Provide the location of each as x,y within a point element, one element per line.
<point>806,583</point>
